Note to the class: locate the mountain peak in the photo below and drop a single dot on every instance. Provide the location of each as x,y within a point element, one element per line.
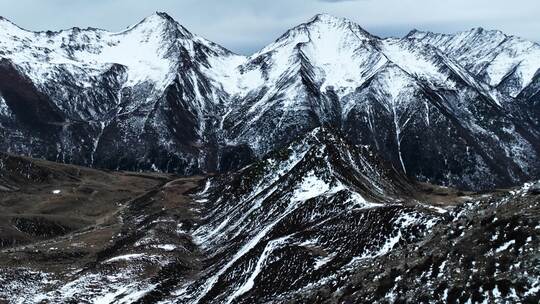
<point>333,21</point>
<point>164,16</point>
<point>481,31</point>
<point>327,18</point>
<point>473,32</point>
<point>339,23</point>
<point>325,24</point>
<point>414,33</point>
<point>158,18</point>
<point>163,22</point>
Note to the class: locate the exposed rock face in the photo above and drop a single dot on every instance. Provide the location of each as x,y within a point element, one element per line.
<point>135,100</point>
<point>318,140</point>
<point>320,221</point>
<point>179,103</point>
<point>419,107</point>
<point>506,62</point>
<point>489,252</point>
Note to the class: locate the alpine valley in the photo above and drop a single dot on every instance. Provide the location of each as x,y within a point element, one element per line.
<point>332,166</point>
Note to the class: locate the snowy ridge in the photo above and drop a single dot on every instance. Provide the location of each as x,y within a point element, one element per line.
<point>306,182</point>
<point>180,103</point>
<point>495,57</point>
<point>319,220</point>
<point>329,71</point>
<point>94,51</point>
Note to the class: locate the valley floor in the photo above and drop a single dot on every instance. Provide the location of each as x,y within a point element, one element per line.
<point>67,223</point>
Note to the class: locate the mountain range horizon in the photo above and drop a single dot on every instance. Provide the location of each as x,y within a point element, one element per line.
<point>212,103</point>
<point>169,17</point>
<point>152,165</point>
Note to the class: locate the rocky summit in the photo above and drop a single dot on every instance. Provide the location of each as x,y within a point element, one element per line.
<point>332,166</point>
<point>458,110</point>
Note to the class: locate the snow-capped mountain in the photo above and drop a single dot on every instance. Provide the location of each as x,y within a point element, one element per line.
<point>506,62</point>
<point>417,105</point>
<point>156,96</point>
<point>134,99</point>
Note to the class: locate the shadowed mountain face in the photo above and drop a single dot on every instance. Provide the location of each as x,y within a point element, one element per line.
<point>319,221</point>
<point>131,100</point>
<point>320,146</point>
<point>458,110</point>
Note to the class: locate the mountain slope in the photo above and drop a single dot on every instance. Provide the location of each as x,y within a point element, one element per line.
<point>317,202</point>
<point>319,221</point>
<point>395,94</point>
<point>100,107</point>
<point>69,233</point>
<point>183,104</point>
<point>506,62</point>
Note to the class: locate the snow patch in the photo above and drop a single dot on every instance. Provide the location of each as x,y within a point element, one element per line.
<point>126,257</point>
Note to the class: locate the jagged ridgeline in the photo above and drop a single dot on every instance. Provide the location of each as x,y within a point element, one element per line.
<point>324,221</point>
<point>319,221</point>
<point>459,110</point>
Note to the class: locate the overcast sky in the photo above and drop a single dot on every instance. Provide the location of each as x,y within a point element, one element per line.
<point>245,26</point>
